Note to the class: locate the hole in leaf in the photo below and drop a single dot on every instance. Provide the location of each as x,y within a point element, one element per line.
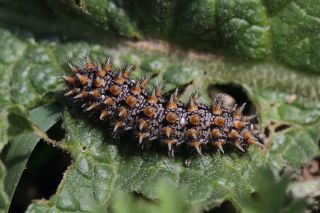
<point>225,207</point>
<point>44,172</point>
<point>235,94</point>
<point>254,196</point>
<point>77,2</point>
<point>138,195</point>
<point>266,132</point>
<point>56,132</point>
<point>282,127</point>
<point>187,162</point>
<point>287,170</point>
<point>311,170</point>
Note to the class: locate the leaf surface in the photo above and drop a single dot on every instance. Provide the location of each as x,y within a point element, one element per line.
<point>102,166</point>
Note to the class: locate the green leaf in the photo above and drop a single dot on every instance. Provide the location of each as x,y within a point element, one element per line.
<point>18,120</point>
<point>244,26</point>
<point>4,201</point>
<point>27,73</point>
<point>198,19</point>
<point>295,29</point>
<point>101,168</point>
<point>22,146</point>
<point>12,49</point>
<point>3,128</point>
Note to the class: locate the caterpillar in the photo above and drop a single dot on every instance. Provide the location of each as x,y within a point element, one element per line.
<point>151,115</point>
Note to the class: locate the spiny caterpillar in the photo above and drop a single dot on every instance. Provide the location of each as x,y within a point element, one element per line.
<point>113,96</point>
